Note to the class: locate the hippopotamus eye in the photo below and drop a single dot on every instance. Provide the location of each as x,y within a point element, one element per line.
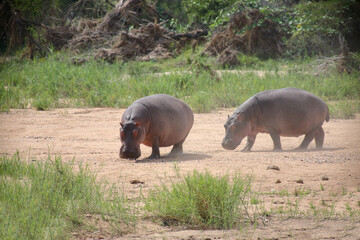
<point>135,133</point>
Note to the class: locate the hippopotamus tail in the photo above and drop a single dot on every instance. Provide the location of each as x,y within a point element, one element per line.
<point>327,114</point>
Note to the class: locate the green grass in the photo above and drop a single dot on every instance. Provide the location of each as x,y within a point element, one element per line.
<point>47,200</point>
<point>55,82</point>
<point>200,200</point>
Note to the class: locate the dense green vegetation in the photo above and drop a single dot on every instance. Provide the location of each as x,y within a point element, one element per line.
<point>48,200</point>
<point>55,82</point>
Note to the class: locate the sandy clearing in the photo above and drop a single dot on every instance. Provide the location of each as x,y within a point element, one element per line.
<point>92,136</point>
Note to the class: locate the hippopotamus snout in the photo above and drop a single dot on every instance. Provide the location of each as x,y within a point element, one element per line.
<point>132,153</point>
<point>229,144</point>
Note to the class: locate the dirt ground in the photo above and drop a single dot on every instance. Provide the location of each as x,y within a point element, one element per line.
<point>92,136</point>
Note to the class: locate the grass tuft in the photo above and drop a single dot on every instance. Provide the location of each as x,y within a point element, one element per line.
<point>47,200</point>
<point>201,200</point>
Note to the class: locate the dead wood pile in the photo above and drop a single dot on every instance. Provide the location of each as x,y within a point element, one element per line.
<point>129,31</point>
<point>59,36</point>
<point>131,13</point>
<point>83,34</point>
<point>148,43</point>
<point>147,40</point>
<point>248,32</point>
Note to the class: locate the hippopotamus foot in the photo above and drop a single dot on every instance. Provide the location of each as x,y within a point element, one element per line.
<point>246,149</point>
<point>154,156</point>
<point>300,148</point>
<point>248,146</point>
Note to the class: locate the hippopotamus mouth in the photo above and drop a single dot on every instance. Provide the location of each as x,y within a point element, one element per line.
<point>230,144</point>
<point>130,153</point>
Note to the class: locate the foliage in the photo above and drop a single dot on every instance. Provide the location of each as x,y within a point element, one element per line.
<point>36,10</point>
<point>214,14</point>
<point>317,25</point>
<point>310,27</point>
<point>203,200</point>
<point>205,12</point>
<point>47,200</point>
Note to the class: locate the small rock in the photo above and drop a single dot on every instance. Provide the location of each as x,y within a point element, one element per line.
<point>273,167</point>
<point>136,182</point>
<point>300,181</point>
<point>325,178</point>
<point>278,181</point>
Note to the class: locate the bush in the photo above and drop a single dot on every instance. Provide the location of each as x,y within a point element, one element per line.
<point>202,200</point>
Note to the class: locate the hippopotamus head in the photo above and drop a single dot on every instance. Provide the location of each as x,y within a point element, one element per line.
<point>132,134</point>
<point>237,127</point>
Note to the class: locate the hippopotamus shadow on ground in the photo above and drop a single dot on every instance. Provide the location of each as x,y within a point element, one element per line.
<point>297,150</point>
<point>177,158</point>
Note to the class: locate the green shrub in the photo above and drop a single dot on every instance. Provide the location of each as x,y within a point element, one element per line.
<point>202,200</point>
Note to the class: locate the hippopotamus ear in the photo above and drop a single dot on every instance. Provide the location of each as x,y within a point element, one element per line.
<point>121,124</point>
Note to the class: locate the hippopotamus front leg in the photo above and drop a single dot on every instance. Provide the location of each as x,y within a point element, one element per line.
<point>155,154</point>
<point>250,142</point>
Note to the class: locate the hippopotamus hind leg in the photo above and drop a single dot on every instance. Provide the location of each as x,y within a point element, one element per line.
<point>319,137</point>
<point>307,139</point>
<point>177,148</point>
<point>275,136</point>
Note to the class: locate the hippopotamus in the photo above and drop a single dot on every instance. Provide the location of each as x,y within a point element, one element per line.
<point>156,121</point>
<point>288,112</point>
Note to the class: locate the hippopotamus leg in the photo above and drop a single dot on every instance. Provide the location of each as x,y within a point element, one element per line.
<point>308,138</point>
<point>319,137</point>
<point>155,154</point>
<point>250,142</point>
<point>177,148</point>
<point>275,136</point>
